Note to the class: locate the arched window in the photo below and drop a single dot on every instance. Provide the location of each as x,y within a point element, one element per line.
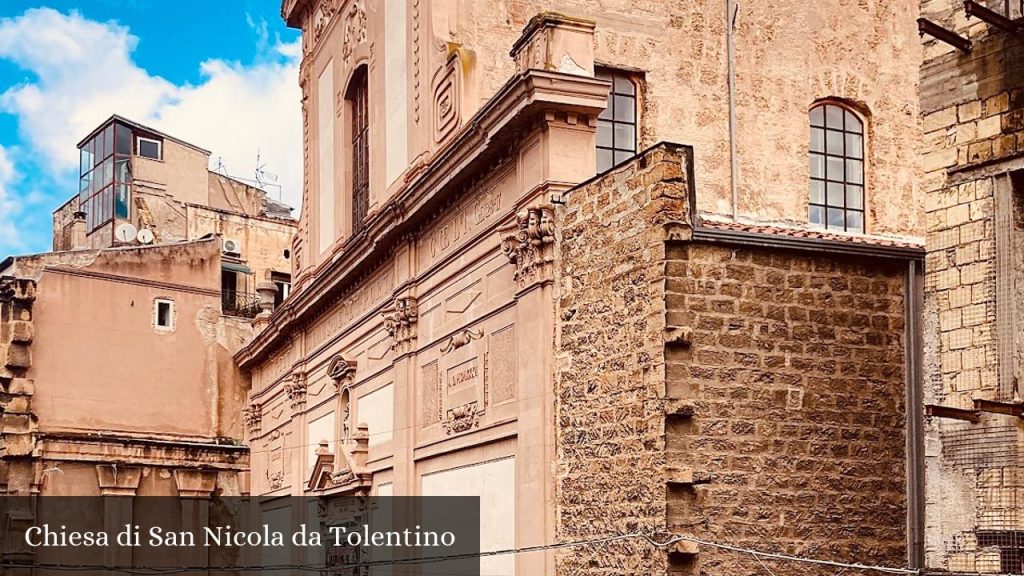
<point>837,169</point>
<point>358,101</point>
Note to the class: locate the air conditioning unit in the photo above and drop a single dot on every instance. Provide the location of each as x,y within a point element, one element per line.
<point>230,246</point>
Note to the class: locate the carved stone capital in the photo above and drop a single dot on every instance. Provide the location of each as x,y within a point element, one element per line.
<point>400,322</point>
<point>296,390</point>
<point>528,244</point>
<point>118,480</point>
<point>253,418</point>
<point>342,371</point>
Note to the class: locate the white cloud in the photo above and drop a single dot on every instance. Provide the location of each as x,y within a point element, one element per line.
<point>8,207</point>
<point>84,72</point>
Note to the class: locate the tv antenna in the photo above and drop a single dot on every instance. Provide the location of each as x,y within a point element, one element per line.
<point>264,178</point>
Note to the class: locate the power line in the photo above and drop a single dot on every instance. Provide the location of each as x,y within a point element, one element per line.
<point>648,538</point>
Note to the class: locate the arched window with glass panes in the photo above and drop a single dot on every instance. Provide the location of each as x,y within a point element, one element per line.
<point>837,168</point>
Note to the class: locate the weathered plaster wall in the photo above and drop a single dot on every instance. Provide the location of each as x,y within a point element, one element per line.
<point>264,241</point>
<point>787,56</point>
<point>97,318</point>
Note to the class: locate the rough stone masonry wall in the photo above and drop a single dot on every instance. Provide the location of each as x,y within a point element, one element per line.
<point>17,423</point>
<point>610,279</point>
<point>788,376</point>
<point>972,108</point>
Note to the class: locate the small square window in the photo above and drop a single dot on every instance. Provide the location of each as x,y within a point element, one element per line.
<point>163,314</point>
<point>149,148</point>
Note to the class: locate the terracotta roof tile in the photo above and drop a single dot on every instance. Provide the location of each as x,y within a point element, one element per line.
<point>809,233</point>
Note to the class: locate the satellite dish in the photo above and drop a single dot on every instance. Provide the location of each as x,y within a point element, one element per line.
<point>125,232</point>
<point>145,236</point>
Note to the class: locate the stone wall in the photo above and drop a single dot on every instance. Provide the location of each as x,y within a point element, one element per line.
<point>788,433</point>
<point>972,107</point>
<point>609,382</point>
<point>17,423</point>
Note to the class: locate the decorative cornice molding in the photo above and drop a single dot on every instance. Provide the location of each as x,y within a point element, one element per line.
<point>473,149</point>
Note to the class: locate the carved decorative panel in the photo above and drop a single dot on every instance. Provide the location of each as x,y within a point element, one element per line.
<point>503,356</point>
<point>446,102</point>
<point>431,394</point>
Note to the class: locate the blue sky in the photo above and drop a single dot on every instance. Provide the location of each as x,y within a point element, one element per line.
<point>221,74</point>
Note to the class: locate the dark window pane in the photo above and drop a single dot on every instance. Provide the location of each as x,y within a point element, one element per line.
<point>121,170</point>
<point>816,215</point>
<point>817,140</point>
<point>106,173</point>
<point>855,221</point>
<point>834,168</point>
<point>358,101</point>
<point>834,142</point>
<point>625,137</point>
<point>835,218</point>
<point>818,116</point>
<point>854,145</point>
<point>834,117</point>
<point>854,197</point>
<point>85,162</point>
<point>625,109</point>
<point>623,85</point>
<point>149,149</point>
<point>604,133</point>
<point>835,194</point>
<point>853,124</point>
<point>108,141</point>
<point>85,186</point>
<point>121,201</point>
<point>123,140</point>
<point>855,171</point>
<point>93,145</point>
<point>817,192</point>
<point>604,159</point>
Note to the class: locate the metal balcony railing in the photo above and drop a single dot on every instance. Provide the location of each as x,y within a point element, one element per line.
<point>244,304</point>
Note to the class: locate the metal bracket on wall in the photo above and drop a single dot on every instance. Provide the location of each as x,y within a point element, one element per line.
<point>952,413</point>
<point>926,26</point>
<point>1007,408</point>
<point>992,17</point>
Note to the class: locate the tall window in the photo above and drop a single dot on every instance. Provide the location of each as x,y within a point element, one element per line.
<point>104,175</point>
<point>616,126</point>
<point>359,106</point>
<point>837,169</point>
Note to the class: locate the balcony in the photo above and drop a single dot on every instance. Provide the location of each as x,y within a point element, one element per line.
<point>241,304</point>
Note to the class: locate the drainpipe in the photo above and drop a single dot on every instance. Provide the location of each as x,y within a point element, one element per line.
<point>731,10</point>
<point>915,416</point>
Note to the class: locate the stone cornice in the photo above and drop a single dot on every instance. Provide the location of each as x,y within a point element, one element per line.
<point>487,136</point>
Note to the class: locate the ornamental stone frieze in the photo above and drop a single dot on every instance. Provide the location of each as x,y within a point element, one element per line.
<point>462,418</point>
<point>296,391</point>
<point>355,29</point>
<point>400,323</point>
<point>528,243</point>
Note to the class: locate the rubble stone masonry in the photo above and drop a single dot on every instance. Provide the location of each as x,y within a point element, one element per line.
<point>787,374</point>
<point>738,394</point>
<point>972,112</point>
